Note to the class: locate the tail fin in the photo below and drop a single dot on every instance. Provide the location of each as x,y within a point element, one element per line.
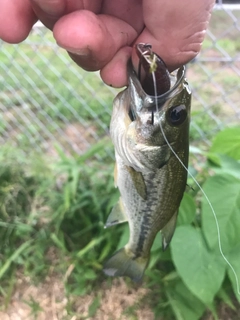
<point>123,264</point>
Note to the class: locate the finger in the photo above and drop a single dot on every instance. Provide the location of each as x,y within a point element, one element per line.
<point>92,40</point>
<point>128,11</point>
<point>17,19</point>
<point>49,11</point>
<point>114,73</point>
<point>174,54</point>
<point>178,32</point>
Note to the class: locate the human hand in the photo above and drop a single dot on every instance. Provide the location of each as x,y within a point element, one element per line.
<point>99,35</point>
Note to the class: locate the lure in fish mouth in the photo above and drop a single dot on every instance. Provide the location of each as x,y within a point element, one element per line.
<point>152,64</point>
<point>150,132</point>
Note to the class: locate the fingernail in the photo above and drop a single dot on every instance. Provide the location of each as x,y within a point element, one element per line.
<point>79,52</point>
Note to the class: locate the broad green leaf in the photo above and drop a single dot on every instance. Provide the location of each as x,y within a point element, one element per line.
<point>187,210</point>
<point>234,259</point>
<point>214,159</point>
<point>227,142</point>
<point>227,165</point>
<point>223,192</point>
<point>184,304</point>
<point>200,269</point>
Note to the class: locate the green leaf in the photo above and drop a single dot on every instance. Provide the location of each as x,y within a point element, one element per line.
<point>184,304</point>
<point>200,269</point>
<point>214,159</point>
<point>90,274</point>
<point>124,237</point>
<point>94,150</point>
<point>94,306</point>
<point>234,258</point>
<point>226,298</point>
<point>227,142</point>
<point>223,192</point>
<point>171,276</point>
<point>227,165</point>
<point>14,256</point>
<point>89,246</point>
<point>187,210</point>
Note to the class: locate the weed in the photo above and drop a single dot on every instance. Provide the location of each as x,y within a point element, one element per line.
<point>35,307</point>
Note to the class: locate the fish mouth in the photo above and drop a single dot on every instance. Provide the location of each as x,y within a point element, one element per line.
<point>176,78</point>
<point>144,102</point>
<point>157,79</point>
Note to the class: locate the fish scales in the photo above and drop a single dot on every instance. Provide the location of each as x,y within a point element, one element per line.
<point>150,177</point>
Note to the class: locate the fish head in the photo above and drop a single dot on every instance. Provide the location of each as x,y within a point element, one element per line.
<point>169,112</point>
<point>158,120</point>
<point>152,115</point>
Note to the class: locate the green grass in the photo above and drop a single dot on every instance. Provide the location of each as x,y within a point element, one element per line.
<point>69,217</point>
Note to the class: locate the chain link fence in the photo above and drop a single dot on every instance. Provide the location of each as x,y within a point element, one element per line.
<point>46,100</point>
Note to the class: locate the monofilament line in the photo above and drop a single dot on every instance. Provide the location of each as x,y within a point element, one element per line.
<point>201,189</point>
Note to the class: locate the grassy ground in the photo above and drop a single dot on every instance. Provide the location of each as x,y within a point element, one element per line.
<point>53,206</point>
<point>53,245</point>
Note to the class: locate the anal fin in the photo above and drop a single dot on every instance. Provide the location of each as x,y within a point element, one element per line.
<point>117,215</point>
<point>168,231</point>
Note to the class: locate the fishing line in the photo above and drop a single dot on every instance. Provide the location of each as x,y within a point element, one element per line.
<point>201,189</point>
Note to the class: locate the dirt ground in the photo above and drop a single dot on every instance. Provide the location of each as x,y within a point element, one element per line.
<point>47,301</point>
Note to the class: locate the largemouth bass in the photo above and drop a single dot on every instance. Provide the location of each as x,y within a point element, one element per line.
<point>148,173</point>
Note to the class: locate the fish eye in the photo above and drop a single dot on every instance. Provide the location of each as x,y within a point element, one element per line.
<point>177,115</point>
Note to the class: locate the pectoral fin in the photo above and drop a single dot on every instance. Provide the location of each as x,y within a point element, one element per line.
<point>168,231</point>
<point>117,215</point>
<point>138,181</point>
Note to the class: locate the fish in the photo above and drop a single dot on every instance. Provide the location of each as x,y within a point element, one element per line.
<point>149,129</point>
